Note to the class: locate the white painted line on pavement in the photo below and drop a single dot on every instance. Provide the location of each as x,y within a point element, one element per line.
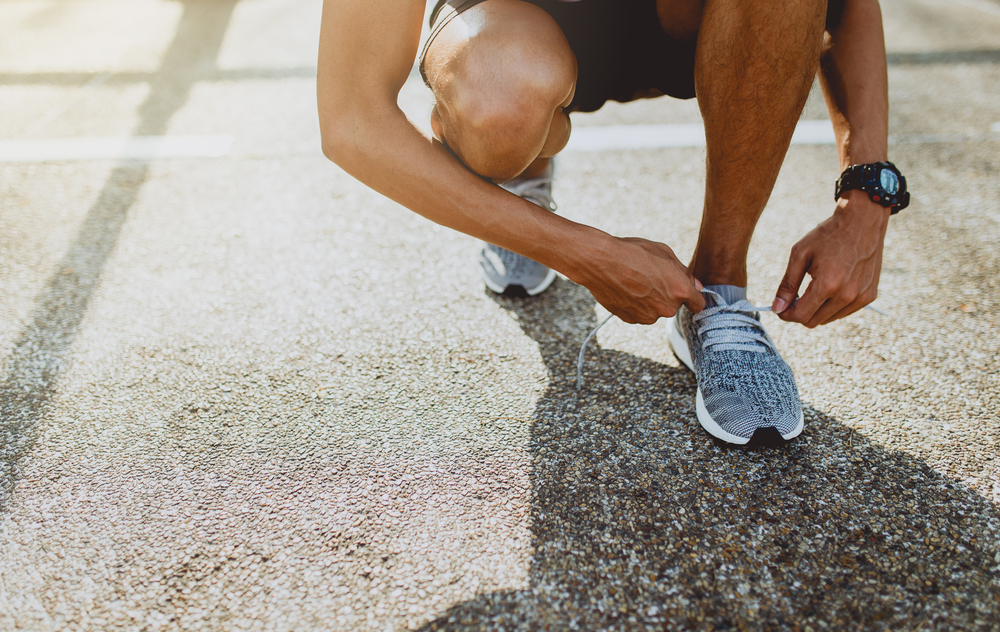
<point>625,137</point>
<point>814,133</point>
<point>602,138</point>
<point>635,137</point>
<point>682,135</point>
<point>113,148</point>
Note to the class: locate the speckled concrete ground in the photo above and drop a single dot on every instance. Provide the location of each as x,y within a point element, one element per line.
<point>248,393</point>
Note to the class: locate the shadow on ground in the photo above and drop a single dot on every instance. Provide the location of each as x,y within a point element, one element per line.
<point>640,521</point>
<point>42,350</point>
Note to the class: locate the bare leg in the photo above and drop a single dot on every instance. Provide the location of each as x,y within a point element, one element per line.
<point>755,64</point>
<point>502,72</point>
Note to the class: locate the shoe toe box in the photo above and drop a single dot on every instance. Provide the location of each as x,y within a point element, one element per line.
<point>745,400</point>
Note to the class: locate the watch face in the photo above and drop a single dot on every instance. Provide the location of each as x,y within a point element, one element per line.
<point>889,181</point>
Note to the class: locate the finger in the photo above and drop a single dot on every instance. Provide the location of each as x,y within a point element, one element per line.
<point>692,296</point>
<point>827,311</point>
<point>795,272</point>
<point>856,305</point>
<point>625,318</point>
<point>864,298</point>
<point>696,302</point>
<point>809,304</point>
<point>632,317</point>
<point>845,312</point>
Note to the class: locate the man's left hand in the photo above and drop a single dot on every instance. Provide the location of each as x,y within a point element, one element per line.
<point>843,255</point>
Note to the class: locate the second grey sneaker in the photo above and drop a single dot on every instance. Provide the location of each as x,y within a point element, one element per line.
<point>507,272</point>
<point>746,391</point>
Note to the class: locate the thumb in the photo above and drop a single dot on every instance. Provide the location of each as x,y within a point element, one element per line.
<point>697,301</point>
<point>788,289</point>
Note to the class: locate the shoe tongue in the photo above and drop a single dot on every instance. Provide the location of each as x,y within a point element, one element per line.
<point>729,293</point>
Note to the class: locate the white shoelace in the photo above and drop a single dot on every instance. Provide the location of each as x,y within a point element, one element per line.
<point>728,329</point>
<point>583,349</point>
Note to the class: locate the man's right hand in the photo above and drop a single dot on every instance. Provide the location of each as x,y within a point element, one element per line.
<point>640,281</point>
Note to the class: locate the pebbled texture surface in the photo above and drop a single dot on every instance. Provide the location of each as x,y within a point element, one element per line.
<point>249,394</point>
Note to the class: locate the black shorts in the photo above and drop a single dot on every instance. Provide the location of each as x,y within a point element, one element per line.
<point>621,49</point>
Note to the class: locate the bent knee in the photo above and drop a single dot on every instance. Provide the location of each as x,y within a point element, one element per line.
<point>506,121</point>
<point>508,80</point>
<point>499,90</point>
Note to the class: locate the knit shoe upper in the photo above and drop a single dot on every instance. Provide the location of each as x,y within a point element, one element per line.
<point>746,391</point>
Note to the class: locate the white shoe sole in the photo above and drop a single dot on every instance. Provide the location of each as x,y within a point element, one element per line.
<point>535,291</point>
<point>678,344</point>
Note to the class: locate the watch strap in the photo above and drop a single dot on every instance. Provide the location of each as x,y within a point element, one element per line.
<point>866,178</point>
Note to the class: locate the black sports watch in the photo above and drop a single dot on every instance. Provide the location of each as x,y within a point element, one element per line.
<point>882,181</point>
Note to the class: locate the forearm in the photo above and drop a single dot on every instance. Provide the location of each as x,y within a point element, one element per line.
<point>855,84</point>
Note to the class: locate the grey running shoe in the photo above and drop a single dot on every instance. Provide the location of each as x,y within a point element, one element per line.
<point>746,392</point>
<point>507,272</point>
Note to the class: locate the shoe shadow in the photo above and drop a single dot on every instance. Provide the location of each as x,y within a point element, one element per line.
<point>639,520</point>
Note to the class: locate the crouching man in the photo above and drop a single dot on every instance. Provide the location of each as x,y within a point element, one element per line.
<point>506,74</point>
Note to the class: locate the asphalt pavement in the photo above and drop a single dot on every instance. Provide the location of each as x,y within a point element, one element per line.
<point>239,390</point>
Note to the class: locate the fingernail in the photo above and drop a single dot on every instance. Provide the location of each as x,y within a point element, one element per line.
<point>778,305</point>
<point>698,285</point>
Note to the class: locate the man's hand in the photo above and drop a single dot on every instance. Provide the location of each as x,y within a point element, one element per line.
<point>843,255</point>
<point>639,281</point>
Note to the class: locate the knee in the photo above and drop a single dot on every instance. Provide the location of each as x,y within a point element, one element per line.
<point>513,106</point>
<point>497,110</point>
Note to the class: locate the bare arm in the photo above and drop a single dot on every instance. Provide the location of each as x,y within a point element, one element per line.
<point>855,84</point>
<point>367,48</point>
<point>366,52</point>
<point>843,255</point>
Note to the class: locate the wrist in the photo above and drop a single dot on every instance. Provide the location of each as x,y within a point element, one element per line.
<point>581,252</point>
<point>882,181</point>
<point>568,247</point>
<point>857,207</point>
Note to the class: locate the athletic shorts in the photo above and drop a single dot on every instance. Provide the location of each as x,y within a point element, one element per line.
<point>621,50</point>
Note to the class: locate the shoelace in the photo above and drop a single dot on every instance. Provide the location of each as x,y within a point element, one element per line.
<point>732,327</point>
<point>724,329</point>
